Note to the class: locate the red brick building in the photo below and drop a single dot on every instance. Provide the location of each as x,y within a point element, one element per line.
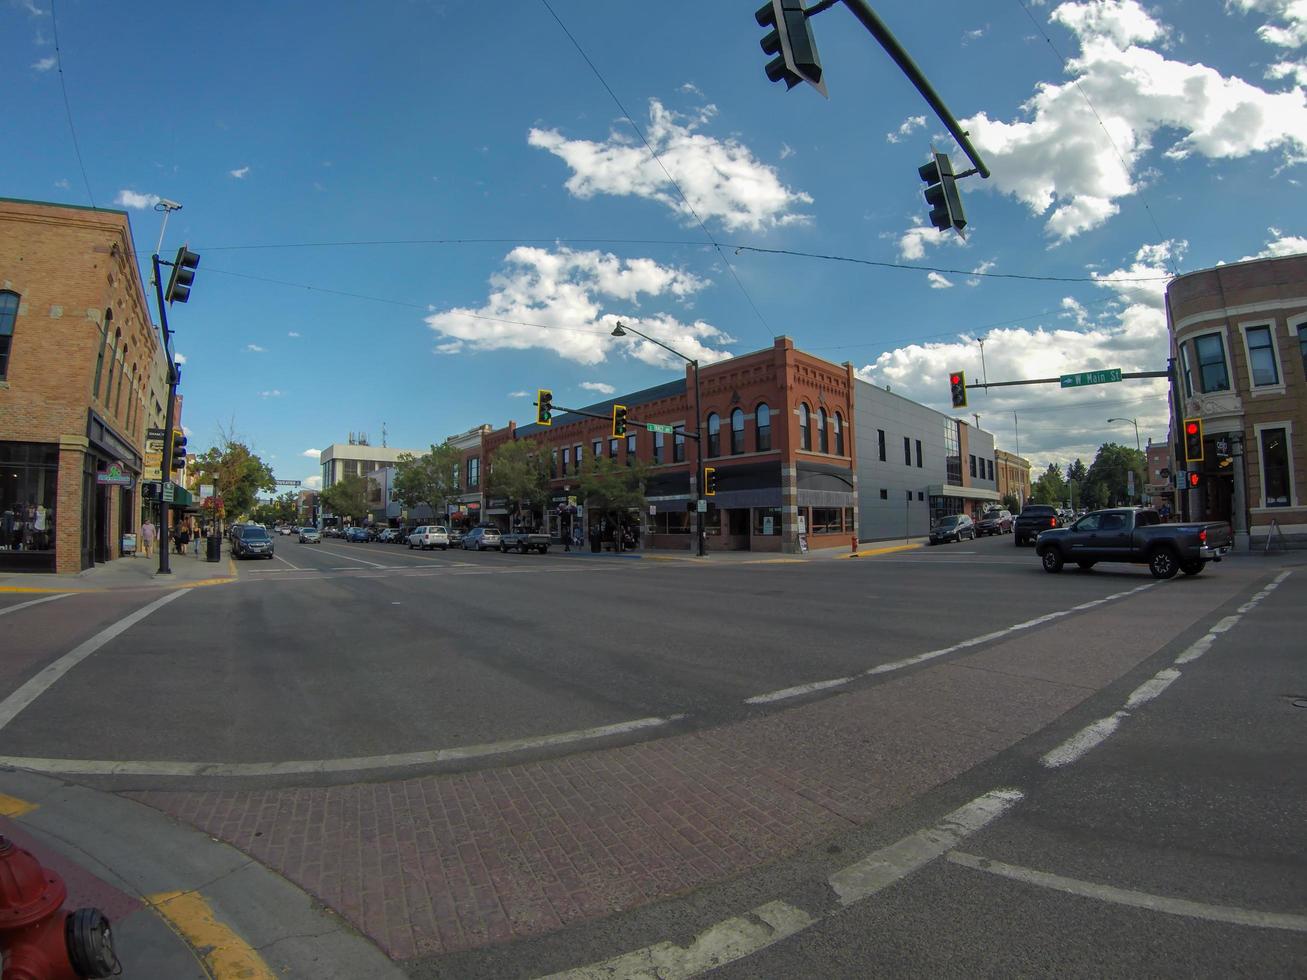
<point>776,427</point>
<point>78,355</point>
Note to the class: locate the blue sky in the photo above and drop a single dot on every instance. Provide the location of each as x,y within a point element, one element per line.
<point>415,213</point>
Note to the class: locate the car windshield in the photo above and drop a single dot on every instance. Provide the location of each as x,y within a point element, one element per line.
<point>253,534</point>
<point>950,521</point>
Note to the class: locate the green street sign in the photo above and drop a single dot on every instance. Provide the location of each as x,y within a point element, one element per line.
<point>169,491</point>
<point>659,427</point>
<point>1091,378</point>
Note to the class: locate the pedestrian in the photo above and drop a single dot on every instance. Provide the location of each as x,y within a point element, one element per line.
<point>195,537</point>
<point>148,534</point>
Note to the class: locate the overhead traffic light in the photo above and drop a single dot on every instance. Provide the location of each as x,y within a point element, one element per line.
<point>709,481</point>
<point>1193,440</point>
<point>942,194</point>
<point>183,274</point>
<point>178,450</point>
<point>544,406</point>
<point>619,421</point>
<point>791,41</point>
<point>957,385</point>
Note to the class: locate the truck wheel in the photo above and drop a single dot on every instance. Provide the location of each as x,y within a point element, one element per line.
<point>1192,566</point>
<point>544,549</point>
<point>1086,565</point>
<point>1163,564</point>
<point>1052,559</point>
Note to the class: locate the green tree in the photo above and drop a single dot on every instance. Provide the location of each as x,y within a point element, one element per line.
<point>519,474</point>
<point>614,489</point>
<point>237,473</point>
<point>348,497</point>
<point>430,479</point>
<point>1110,471</point>
<point>1011,503</point>
<point>279,510</point>
<point>1050,488</point>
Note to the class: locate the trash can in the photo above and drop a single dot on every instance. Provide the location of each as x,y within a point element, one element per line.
<point>215,548</point>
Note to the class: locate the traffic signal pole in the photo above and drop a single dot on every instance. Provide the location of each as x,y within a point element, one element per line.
<point>165,472</point>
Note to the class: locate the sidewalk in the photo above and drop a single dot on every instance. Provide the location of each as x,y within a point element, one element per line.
<point>136,572</point>
<point>866,549</point>
<point>181,904</point>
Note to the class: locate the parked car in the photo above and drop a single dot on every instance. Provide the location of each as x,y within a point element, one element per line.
<point>402,534</point>
<point>252,541</point>
<point>356,534</point>
<point>387,535</point>
<point>310,535</point>
<point>523,541</point>
<point>429,536</point>
<point>1138,536</point>
<point>994,522</point>
<point>481,538</point>
<point>456,537</point>
<point>955,527</point>
<point>1033,520</point>
<point>285,530</point>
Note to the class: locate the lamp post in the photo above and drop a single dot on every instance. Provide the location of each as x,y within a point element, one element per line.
<point>1135,423</point>
<point>621,330</point>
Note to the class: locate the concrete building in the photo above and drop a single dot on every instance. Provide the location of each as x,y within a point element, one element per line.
<point>356,458</point>
<point>916,465</point>
<point>80,371</point>
<point>1013,476</point>
<point>1239,342</point>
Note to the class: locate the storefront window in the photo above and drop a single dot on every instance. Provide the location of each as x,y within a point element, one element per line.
<point>827,520</point>
<point>29,473</point>
<point>678,444</point>
<point>1275,468</point>
<point>1261,356</point>
<point>674,522</point>
<point>766,520</point>
<point>952,452</point>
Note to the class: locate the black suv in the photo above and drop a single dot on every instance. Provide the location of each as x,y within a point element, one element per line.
<point>251,541</point>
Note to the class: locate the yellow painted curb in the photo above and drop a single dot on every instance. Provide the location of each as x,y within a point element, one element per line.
<point>203,581</point>
<point>25,588</point>
<point>12,806</point>
<point>881,551</point>
<point>773,561</point>
<point>225,955</point>
<point>668,558</point>
<point>231,566</point>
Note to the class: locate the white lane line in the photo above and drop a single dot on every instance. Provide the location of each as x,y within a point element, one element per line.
<point>729,940</point>
<point>883,868</point>
<point>328,551</point>
<point>794,692</point>
<point>38,685</point>
<point>1134,899</point>
<point>34,602</point>
<point>104,767</point>
<point>1082,741</point>
<point>740,936</point>
<point>281,559</point>
<point>1151,688</point>
<point>1197,649</point>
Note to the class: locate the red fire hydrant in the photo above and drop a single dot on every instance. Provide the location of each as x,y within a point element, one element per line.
<point>39,939</point>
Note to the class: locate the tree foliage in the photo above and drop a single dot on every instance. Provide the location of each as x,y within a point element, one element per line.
<point>348,498</point>
<point>1050,488</point>
<point>612,488</point>
<point>519,474</point>
<point>279,510</point>
<point>430,479</point>
<point>1108,479</point>
<point>237,473</point>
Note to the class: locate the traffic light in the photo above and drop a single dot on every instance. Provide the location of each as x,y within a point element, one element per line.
<point>791,41</point>
<point>178,450</point>
<point>183,274</point>
<point>942,194</point>
<point>710,481</point>
<point>544,406</point>
<point>150,490</point>
<point>619,421</point>
<point>1194,480</point>
<point>957,385</point>
<point>1193,440</point>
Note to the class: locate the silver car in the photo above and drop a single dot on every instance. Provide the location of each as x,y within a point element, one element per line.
<point>481,538</point>
<point>310,535</point>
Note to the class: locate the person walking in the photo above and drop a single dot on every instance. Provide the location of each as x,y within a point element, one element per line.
<point>195,537</point>
<point>148,534</point>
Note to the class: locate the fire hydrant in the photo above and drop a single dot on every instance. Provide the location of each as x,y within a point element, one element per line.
<point>39,939</point>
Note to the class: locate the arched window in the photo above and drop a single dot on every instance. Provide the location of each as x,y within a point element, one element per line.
<point>714,435</point>
<point>839,434</point>
<point>122,374</point>
<point>762,423</point>
<point>823,433</point>
<point>805,427</point>
<point>737,431</point>
<point>99,361</point>
<point>113,363</point>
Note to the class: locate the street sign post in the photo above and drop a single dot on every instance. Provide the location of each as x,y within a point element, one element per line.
<point>1091,378</point>
<point>659,427</point>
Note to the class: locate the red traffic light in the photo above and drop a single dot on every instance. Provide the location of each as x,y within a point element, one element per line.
<point>955,379</point>
<point>1191,428</point>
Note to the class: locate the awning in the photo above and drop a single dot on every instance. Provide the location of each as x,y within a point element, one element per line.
<point>963,493</point>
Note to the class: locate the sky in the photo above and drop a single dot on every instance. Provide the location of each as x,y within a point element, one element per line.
<point>413,215</point>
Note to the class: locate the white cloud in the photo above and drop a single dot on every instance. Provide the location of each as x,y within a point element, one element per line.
<point>568,302</point>
<point>979,271</point>
<point>239,173</point>
<point>186,431</point>
<point>1292,33</point>
<point>906,127</point>
<point>1279,245</point>
<point>913,242</point>
<point>131,199</point>
<point>255,348</point>
<point>293,333</point>
<point>519,394</point>
<point>1295,71</point>
<point>1058,161</point>
<point>975,35</point>
<point>179,358</point>
<point>598,386</point>
<point>721,178</point>
<point>312,482</point>
<point>937,281</point>
<point>312,453</point>
<point>689,88</point>
<point>62,183</point>
<point>273,393</point>
<point>787,151</point>
<point>45,64</point>
<point>1073,309</point>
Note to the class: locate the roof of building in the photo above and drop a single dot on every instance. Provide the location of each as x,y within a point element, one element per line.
<point>605,408</point>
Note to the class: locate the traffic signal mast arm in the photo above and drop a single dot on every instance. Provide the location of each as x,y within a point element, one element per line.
<point>608,418</point>
<point>1054,381</point>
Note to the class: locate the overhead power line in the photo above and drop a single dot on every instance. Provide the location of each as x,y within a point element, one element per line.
<point>68,109</point>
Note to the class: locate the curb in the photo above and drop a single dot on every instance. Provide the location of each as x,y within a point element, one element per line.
<point>881,551</point>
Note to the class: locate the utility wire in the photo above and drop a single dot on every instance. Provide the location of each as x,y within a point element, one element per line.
<point>1111,142</point>
<point>68,109</point>
<point>648,146</point>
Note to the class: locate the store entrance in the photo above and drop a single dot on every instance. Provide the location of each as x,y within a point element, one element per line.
<point>101,523</point>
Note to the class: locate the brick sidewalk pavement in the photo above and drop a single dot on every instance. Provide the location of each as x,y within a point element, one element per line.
<point>442,863</point>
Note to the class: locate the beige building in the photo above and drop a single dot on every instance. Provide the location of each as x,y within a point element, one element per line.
<point>1013,476</point>
<point>1239,339</point>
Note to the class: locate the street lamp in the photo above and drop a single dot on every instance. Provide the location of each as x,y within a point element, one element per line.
<point>621,330</point>
<point>1136,425</point>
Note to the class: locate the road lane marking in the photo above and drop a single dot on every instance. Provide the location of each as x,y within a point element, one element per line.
<point>34,602</point>
<point>357,764</point>
<point>1082,741</point>
<point>1151,688</point>
<point>12,806</point>
<point>765,925</point>
<point>38,685</point>
<point>1132,898</point>
<point>281,559</point>
<point>225,954</point>
<point>883,868</point>
<point>794,692</point>
<point>361,561</point>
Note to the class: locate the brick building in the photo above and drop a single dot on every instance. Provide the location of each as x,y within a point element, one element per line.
<point>1159,486</point>
<point>1239,339</point>
<point>777,427</point>
<point>79,357</point>
<point>1013,476</point>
